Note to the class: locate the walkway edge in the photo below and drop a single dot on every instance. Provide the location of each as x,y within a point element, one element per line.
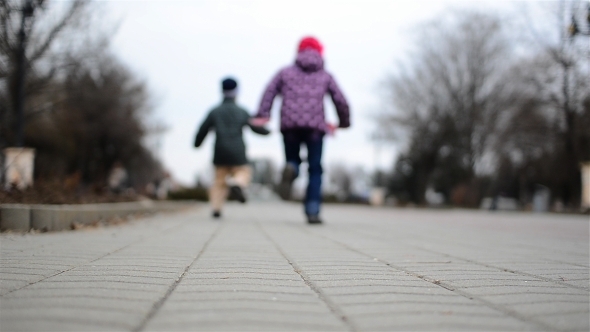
<point>46,217</point>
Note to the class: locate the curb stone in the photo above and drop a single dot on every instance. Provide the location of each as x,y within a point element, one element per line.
<point>15,217</point>
<point>46,217</point>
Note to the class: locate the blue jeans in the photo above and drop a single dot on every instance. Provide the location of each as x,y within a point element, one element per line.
<point>314,141</point>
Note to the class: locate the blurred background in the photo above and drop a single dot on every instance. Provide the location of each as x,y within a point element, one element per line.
<point>482,104</point>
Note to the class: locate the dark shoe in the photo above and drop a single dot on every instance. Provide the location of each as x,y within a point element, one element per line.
<point>286,182</point>
<point>314,219</point>
<point>237,193</point>
<point>216,214</point>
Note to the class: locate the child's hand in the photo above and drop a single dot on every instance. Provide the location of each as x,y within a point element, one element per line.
<point>259,122</point>
<point>331,129</point>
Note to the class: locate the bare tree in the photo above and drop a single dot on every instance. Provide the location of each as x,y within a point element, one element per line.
<point>447,99</point>
<point>85,109</point>
<point>557,74</point>
<point>45,52</point>
<point>97,120</point>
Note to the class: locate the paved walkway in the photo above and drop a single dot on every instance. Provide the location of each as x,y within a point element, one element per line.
<point>262,268</point>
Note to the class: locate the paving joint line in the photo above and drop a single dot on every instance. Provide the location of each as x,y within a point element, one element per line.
<point>521,273</point>
<point>158,305</point>
<point>89,262</point>
<point>443,285</point>
<point>574,264</point>
<point>317,290</point>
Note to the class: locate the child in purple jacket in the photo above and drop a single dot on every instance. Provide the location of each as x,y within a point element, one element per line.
<point>303,86</point>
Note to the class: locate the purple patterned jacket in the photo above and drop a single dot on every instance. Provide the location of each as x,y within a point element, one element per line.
<point>303,87</point>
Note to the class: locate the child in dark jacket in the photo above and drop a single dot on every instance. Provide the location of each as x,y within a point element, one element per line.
<point>229,156</point>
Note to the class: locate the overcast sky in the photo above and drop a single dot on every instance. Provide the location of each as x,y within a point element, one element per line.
<point>184,48</point>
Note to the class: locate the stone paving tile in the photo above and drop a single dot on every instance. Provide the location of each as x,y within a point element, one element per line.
<point>421,322</point>
<point>415,307</point>
<point>582,283</point>
<point>127,269</point>
<point>243,272</point>
<point>304,299</point>
<point>240,324</point>
<point>468,272</point>
<point>62,254</point>
<point>93,313</point>
<point>540,288</point>
<point>538,309</point>
<point>236,288</point>
<point>73,293</point>
<point>391,280</point>
<point>270,303</point>
<point>349,299</point>
<point>6,284</point>
<point>266,262</point>
<point>573,321</point>
<point>105,303</point>
<point>84,296</point>
<point>120,273</point>
<point>518,297</point>
<point>253,313</point>
<point>263,269</point>
<point>497,280</point>
<point>45,323</point>
<point>108,319</point>
<point>9,274</point>
<point>345,296</point>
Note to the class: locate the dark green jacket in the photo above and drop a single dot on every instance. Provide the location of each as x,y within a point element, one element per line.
<point>227,120</point>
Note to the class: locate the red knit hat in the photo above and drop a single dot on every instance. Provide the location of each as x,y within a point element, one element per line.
<point>310,43</point>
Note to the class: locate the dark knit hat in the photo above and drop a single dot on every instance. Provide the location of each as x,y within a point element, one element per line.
<point>228,84</point>
<point>310,43</point>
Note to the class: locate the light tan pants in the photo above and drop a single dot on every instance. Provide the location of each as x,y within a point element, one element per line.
<point>235,175</point>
